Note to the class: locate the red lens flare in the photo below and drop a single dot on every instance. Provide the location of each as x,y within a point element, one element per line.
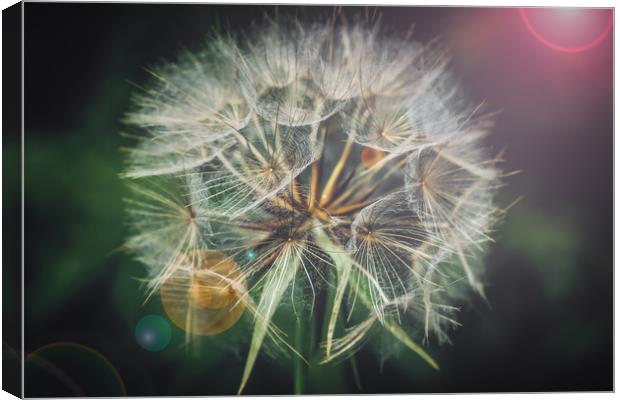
<point>567,49</point>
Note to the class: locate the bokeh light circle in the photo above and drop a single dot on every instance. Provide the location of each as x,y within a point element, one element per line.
<point>70,369</point>
<point>370,156</point>
<point>205,294</point>
<point>153,332</point>
<point>567,49</point>
<point>250,255</point>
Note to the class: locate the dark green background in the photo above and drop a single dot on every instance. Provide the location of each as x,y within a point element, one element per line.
<point>549,324</point>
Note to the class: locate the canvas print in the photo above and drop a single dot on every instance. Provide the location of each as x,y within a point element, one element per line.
<point>267,200</point>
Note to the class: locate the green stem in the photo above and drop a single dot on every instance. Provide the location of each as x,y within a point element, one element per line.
<point>299,367</point>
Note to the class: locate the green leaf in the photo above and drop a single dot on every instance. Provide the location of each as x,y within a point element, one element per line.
<point>401,335</point>
<point>277,281</point>
<point>343,269</point>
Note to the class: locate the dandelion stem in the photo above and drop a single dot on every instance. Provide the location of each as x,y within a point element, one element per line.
<point>299,367</point>
<point>316,175</point>
<point>329,306</point>
<point>348,208</point>
<point>314,183</point>
<point>346,196</point>
<point>295,190</point>
<point>328,190</point>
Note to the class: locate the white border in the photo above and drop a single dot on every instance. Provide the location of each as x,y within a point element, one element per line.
<point>478,3</point>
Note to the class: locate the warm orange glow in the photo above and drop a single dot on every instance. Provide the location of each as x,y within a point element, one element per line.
<point>371,156</point>
<point>203,297</point>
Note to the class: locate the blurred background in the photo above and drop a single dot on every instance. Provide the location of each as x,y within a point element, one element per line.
<point>549,323</point>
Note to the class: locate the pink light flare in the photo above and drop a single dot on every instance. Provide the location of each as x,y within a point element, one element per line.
<point>562,23</point>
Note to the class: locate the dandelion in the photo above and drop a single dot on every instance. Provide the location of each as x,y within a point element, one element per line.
<point>329,171</point>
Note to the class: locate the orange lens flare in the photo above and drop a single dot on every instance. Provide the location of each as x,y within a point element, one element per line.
<point>371,156</point>
<point>203,295</point>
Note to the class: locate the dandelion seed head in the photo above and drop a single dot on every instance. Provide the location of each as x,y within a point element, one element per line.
<point>308,158</point>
